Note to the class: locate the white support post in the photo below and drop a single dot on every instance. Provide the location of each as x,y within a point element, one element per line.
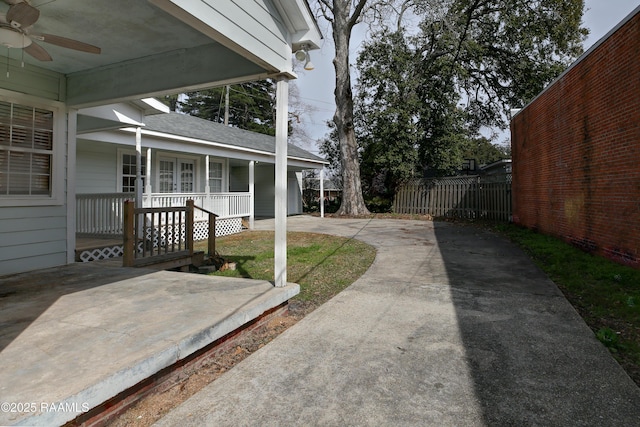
<point>322,192</point>
<point>252,193</point>
<point>72,125</point>
<point>147,188</point>
<point>280,250</point>
<point>207,187</point>
<point>138,167</point>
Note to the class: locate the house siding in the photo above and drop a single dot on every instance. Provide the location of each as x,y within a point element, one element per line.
<point>30,80</point>
<point>33,229</point>
<point>576,148</point>
<point>32,238</point>
<point>253,24</point>
<point>96,167</point>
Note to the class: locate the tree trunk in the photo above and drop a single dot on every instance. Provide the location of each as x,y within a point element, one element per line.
<point>352,199</point>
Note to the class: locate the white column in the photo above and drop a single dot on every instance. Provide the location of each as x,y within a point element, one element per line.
<point>252,193</point>
<point>280,250</point>
<point>147,188</point>
<point>207,187</point>
<point>72,121</point>
<point>138,167</point>
<point>322,192</point>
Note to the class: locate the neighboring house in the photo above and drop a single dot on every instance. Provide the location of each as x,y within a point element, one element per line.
<point>500,167</point>
<point>576,147</point>
<point>148,48</point>
<point>330,189</point>
<point>227,170</point>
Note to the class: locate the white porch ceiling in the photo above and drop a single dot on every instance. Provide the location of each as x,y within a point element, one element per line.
<point>147,51</point>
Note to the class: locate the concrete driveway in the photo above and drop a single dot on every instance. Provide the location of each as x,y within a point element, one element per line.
<point>451,325</point>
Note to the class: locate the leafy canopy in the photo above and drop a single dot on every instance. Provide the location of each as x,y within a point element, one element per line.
<point>423,97</point>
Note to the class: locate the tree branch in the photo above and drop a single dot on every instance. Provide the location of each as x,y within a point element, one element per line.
<point>324,6</point>
<point>356,13</point>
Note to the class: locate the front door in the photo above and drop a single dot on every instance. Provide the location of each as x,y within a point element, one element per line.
<point>176,175</point>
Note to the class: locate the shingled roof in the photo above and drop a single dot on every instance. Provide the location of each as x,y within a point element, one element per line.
<point>194,127</point>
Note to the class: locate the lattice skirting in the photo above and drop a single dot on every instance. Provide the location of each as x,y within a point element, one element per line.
<point>227,226</point>
<point>101,253</point>
<point>224,227</point>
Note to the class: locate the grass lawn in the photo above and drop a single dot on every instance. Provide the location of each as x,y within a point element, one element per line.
<point>606,294</point>
<point>321,264</point>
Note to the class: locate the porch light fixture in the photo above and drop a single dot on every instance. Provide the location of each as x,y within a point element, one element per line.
<point>302,54</point>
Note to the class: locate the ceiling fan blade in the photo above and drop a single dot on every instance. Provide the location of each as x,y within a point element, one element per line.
<point>67,43</point>
<point>37,52</point>
<point>23,14</point>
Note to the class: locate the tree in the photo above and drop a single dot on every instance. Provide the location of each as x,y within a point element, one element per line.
<point>343,15</point>
<point>251,105</point>
<point>170,101</point>
<point>330,149</point>
<point>423,97</point>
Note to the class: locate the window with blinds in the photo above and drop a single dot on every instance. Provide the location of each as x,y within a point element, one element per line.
<point>26,150</point>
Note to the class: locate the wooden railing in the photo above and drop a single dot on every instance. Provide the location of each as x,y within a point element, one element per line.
<point>162,236</point>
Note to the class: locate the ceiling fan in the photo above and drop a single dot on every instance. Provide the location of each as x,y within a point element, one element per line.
<point>15,32</point>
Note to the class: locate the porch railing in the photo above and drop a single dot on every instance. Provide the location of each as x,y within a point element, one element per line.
<point>225,205</point>
<point>163,236</point>
<point>102,214</point>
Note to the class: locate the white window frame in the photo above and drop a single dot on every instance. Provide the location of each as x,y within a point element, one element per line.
<point>224,186</point>
<point>59,148</point>
<point>120,164</point>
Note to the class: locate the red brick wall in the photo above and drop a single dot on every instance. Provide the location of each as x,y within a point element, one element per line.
<point>576,152</point>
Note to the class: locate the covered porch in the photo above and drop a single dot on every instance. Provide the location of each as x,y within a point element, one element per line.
<point>100,225</point>
<point>78,335</point>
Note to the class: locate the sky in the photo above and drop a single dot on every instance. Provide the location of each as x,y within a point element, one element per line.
<point>316,87</point>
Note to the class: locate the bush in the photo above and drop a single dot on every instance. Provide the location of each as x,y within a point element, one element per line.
<point>379,204</point>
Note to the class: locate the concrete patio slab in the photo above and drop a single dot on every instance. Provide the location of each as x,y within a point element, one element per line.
<point>75,336</point>
<point>451,326</point>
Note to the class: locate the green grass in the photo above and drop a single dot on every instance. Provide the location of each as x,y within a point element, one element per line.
<point>606,294</point>
<point>322,265</point>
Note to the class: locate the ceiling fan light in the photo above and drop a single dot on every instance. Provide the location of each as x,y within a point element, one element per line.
<point>13,39</point>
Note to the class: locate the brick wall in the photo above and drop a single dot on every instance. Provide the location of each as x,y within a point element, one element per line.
<point>576,152</point>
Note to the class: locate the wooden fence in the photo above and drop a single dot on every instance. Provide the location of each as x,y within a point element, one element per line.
<point>469,197</point>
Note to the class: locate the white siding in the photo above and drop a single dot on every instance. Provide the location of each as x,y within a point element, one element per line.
<point>251,25</point>
<point>32,238</point>
<point>32,80</point>
<point>96,168</point>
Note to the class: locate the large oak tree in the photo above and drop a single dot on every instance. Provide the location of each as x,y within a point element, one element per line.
<point>426,91</point>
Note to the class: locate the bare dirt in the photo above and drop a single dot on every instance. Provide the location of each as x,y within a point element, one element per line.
<point>154,406</point>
